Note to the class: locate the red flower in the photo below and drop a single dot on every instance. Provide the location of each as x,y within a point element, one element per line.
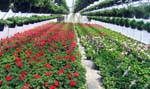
<point>8,78</point>
<point>58,57</point>
<point>67,67</point>
<point>48,65</point>
<point>7,66</point>
<point>69,76</point>
<point>52,87</point>
<point>21,77</point>
<point>61,71</point>
<point>48,73</point>
<point>1,82</point>
<point>1,54</point>
<point>18,59</point>
<point>76,74</point>
<point>46,84</point>
<point>18,49</point>
<point>65,57</point>
<point>20,64</point>
<point>24,73</point>
<point>27,85</point>
<point>73,83</point>
<point>25,88</point>
<point>56,83</point>
<point>73,58</point>
<point>36,76</point>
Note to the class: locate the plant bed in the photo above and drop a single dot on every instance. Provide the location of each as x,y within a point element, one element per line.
<point>35,60</point>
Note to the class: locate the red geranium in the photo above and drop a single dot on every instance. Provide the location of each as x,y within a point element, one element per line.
<point>48,73</point>
<point>8,78</point>
<point>24,73</point>
<point>7,66</point>
<point>21,77</point>
<point>69,76</point>
<point>61,71</point>
<point>67,67</point>
<point>48,65</point>
<point>27,85</point>
<point>76,74</point>
<point>46,84</point>
<point>52,87</point>
<point>1,82</point>
<point>20,64</point>
<point>56,83</point>
<point>18,60</point>
<point>73,58</point>
<point>36,76</point>
<point>73,83</point>
<point>25,88</point>
<point>58,57</point>
<point>1,54</point>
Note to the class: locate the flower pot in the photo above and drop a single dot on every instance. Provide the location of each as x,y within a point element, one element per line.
<point>1,27</point>
<point>4,5</point>
<point>12,25</point>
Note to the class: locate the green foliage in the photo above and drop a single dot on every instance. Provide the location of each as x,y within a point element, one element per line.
<point>80,4</point>
<point>141,11</point>
<point>104,4</point>
<point>118,67</point>
<point>140,25</point>
<point>36,6</point>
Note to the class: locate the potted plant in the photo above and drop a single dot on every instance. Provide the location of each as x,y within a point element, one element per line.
<point>11,24</point>
<point>140,25</point>
<point>147,26</point>
<point>133,24</point>
<point>2,24</point>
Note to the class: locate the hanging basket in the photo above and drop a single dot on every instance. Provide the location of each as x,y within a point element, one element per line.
<point>4,5</point>
<point>2,27</point>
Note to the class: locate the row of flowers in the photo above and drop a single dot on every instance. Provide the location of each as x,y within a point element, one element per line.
<point>41,58</point>
<point>123,62</point>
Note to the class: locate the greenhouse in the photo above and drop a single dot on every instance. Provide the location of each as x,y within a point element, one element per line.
<point>74,44</point>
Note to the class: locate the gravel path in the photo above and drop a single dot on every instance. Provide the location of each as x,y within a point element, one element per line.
<point>93,78</point>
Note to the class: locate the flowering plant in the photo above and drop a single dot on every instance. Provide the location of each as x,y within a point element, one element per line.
<point>41,58</point>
